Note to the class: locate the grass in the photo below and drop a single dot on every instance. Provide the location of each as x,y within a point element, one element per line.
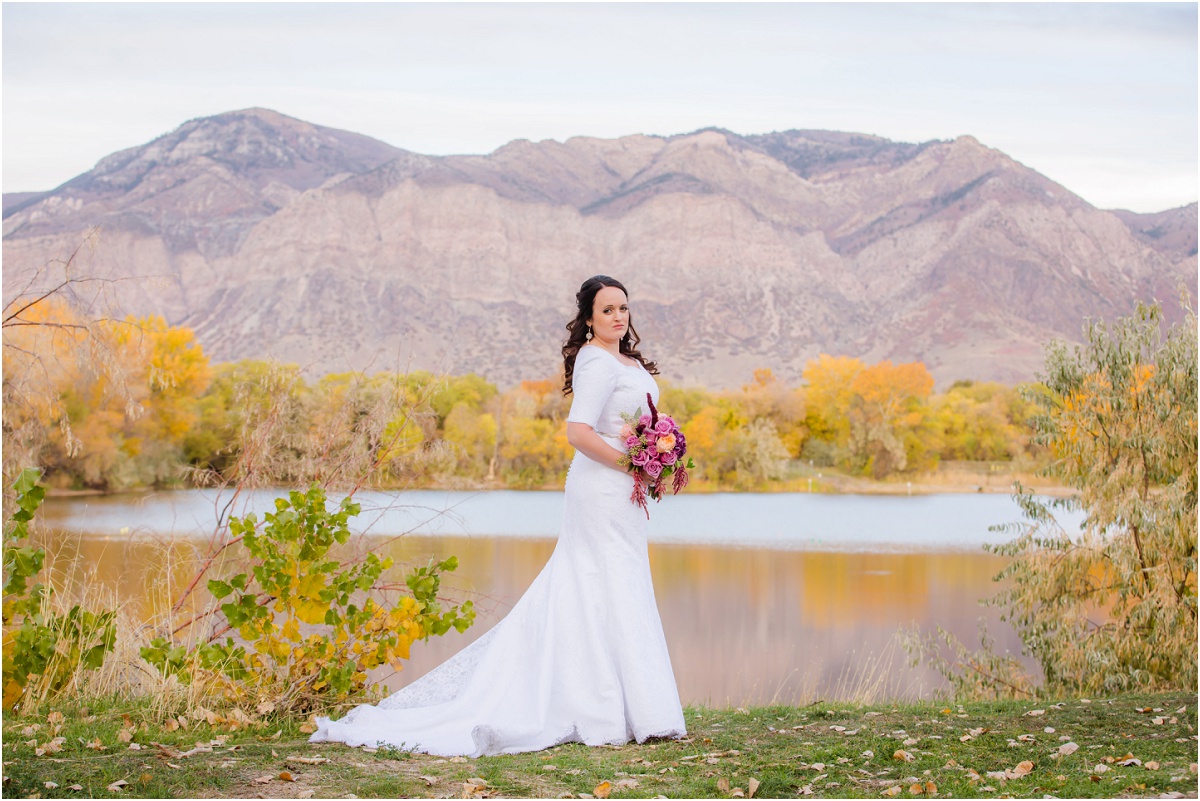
<point>824,750</point>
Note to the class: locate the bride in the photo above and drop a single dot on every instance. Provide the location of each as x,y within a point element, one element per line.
<point>581,656</point>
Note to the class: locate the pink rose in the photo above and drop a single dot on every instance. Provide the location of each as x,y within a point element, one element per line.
<point>653,469</point>
<point>645,420</point>
<point>663,426</point>
<point>626,431</point>
<point>669,458</point>
<point>632,440</point>
<point>670,420</point>
<point>665,443</point>
<point>640,458</point>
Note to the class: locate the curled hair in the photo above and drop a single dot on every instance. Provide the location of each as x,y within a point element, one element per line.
<point>577,329</point>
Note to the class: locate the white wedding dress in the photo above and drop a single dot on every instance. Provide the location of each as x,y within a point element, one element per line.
<point>581,657</point>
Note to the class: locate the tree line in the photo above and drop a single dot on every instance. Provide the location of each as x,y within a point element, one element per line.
<point>137,403</point>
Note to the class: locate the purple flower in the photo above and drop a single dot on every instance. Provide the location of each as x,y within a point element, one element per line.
<point>653,468</point>
<point>640,458</point>
<point>663,426</point>
<point>645,420</point>
<point>669,458</point>
<point>631,441</point>
<point>669,419</point>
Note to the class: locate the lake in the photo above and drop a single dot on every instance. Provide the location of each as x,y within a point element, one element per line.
<point>764,597</point>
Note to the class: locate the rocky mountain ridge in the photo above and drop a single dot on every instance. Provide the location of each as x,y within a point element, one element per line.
<point>272,236</point>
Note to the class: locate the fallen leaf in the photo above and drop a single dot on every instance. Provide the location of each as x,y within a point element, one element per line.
<point>55,718</point>
<point>1066,749</point>
<point>1021,769</point>
<point>818,766</point>
<point>285,776</point>
<point>1049,730</point>
<point>903,756</point>
<point>966,738</point>
<point>805,790</point>
<point>263,779</point>
<point>171,725</point>
<point>627,784</point>
<point>916,789</point>
<point>301,760</point>
<point>75,787</point>
<point>1157,721</point>
<point>930,788</point>
<point>116,786</point>
<point>266,707</point>
<point>307,728</point>
<point>1026,738</point>
<point>722,785</point>
<point>124,736</point>
<point>753,788</point>
<point>894,790</point>
<point>602,789</point>
<point>135,746</point>
<point>95,745</point>
<point>145,778</point>
<point>1129,761</point>
<point>50,785</point>
<point>737,792</point>
<point>1033,713</point>
<point>1100,768</point>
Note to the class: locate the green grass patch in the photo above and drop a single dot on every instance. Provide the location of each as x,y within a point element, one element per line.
<point>825,750</point>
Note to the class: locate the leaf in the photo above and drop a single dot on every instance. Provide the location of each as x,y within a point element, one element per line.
<point>1033,713</point>
<point>1066,749</point>
<point>1151,765</point>
<point>50,786</point>
<point>301,760</point>
<point>285,776</point>
<point>916,789</point>
<point>124,735</point>
<point>722,785</point>
<point>1022,769</point>
<point>903,756</point>
<point>430,781</point>
<point>116,786</point>
<point>75,787</point>
<point>307,728</point>
<point>263,779</point>
<point>892,791</point>
<point>753,788</point>
<point>602,789</point>
<point>930,788</point>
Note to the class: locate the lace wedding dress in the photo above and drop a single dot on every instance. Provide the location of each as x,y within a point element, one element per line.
<point>581,657</point>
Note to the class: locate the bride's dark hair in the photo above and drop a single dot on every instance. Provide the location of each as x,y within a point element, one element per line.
<point>577,329</point>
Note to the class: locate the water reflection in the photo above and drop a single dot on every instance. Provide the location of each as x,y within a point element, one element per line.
<point>744,625</point>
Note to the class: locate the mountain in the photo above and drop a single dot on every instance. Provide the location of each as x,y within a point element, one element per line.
<point>273,236</point>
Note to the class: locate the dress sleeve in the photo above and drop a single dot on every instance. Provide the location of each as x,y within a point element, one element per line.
<point>592,383</point>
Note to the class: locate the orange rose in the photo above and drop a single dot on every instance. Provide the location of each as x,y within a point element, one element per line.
<point>665,443</point>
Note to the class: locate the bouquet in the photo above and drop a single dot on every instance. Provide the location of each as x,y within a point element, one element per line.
<point>656,453</point>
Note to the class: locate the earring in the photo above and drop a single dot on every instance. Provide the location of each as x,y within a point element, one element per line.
<point>589,334</point>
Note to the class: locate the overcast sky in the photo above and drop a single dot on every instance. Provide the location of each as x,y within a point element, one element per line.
<point>1099,97</point>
